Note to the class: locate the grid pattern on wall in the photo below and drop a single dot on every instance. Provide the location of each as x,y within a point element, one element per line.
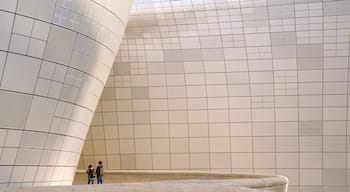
<point>249,86</point>
<point>55,57</point>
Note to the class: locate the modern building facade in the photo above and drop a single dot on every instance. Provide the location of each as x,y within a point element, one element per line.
<point>55,58</point>
<point>241,86</point>
<point>247,86</point>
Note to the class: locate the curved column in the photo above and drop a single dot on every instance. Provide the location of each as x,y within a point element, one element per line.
<point>55,58</point>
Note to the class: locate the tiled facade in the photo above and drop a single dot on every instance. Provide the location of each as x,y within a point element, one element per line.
<point>55,57</point>
<point>251,86</point>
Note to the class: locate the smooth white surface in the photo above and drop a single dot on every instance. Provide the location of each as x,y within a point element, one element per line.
<point>53,67</point>
<point>248,86</point>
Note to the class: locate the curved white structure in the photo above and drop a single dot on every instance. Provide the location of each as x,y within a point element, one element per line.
<point>168,181</point>
<point>241,86</point>
<point>139,181</point>
<point>55,57</point>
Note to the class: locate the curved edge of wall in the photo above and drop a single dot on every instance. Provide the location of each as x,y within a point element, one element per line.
<point>195,179</point>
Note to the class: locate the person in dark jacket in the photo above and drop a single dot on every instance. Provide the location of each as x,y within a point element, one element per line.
<point>91,174</point>
<point>99,172</point>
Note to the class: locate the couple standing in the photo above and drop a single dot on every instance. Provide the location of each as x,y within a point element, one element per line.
<point>91,173</point>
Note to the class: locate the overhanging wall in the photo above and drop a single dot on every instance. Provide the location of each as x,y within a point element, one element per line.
<point>55,58</point>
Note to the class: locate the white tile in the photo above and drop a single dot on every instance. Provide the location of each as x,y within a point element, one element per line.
<point>217,90</point>
<point>28,157</point>
<point>309,114</point>
<point>220,161</point>
<point>310,144</point>
<point>264,160</point>
<point>242,160</point>
<point>23,25</point>
<point>41,114</point>
<point>143,146</point>
<point>40,30</point>
<point>264,144</point>
<point>261,77</point>
<point>8,5</point>
<point>177,104</point>
<point>60,45</point>
<point>263,115</point>
<point>192,67</point>
<point>334,113</point>
<point>60,73</point>
<point>33,140</point>
<point>335,75</point>
<point>310,101</point>
<point>334,127</point>
<point>19,77</point>
<point>287,144</point>
<point>180,161</point>
<point>219,129</point>
<point>210,41</point>
<point>310,88</point>
<point>2,61</point>
<point>310,160</point>
<point>241,144</point>
<point>334,177</point>
<point>310,76</point>
<point>235,53</point>
<point>311,177</point>
<point>261,89</point>
<point>261,39</point>
<point>38,9</point>
<point>334,144</point>
<point>236,65</point>
<point>143,161</point>
<point>127,146</point>
<point>196,91</point>
<point>334,100</point>
<point>13,138</point>
<point>42,87</point>
<point>6,26</point>
<point>189,42</point>
<point>160,146</point>
<point>159,117</point>
<point>286,114</point>
<point>18,174</point>
<point>198,145</point>
<point>179,145</point>
<point>19,44</point>
<point>240,115</point>
<point>287,160</point>
<point>239,90</point>
<point>285,64</point>
<point>199,161</point>
<point>287,128</point>
<point>239,102</point>
<point>263,128</point>
<point>220,144</point>
<point>36,48</point>
<point>178,117</point>
<point>47,69</point>
<point>334,160</point>
<point>214,66</point>
<point>125,131</point>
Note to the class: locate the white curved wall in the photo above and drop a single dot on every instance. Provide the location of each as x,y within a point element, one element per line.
<point>55,57</point>
<point>256,86</point>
